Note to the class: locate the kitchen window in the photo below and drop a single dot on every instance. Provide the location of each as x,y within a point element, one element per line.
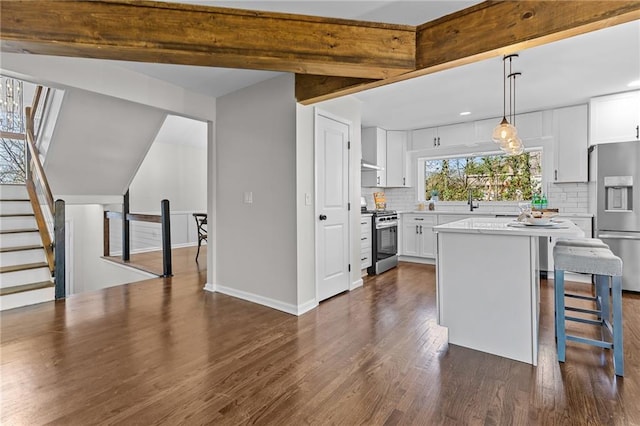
<point>490,177</point>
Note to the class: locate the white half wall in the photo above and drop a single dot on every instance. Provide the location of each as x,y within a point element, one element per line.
<point>89,271</point>
<point>256,158</point>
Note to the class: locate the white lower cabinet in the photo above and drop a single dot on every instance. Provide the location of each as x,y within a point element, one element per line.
<point>365,242</point>
<point>418,239</point>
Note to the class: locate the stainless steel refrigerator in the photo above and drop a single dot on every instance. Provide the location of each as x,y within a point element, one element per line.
<point>614,171</point>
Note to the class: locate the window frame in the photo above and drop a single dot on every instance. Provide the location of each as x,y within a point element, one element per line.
<point>421,178</point>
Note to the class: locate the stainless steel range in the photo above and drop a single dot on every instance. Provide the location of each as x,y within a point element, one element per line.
<point>384,241</point>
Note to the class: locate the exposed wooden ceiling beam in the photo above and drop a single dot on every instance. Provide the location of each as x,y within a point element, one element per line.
<point>486,30</point>
<point>198,35</point>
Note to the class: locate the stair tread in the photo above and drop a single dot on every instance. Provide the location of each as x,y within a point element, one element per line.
<point>20,248</point>
<point>25,287</point>
<point>15,199</point>
<point>24,267</point>
<point>18,231</point>
<point>17,215</point>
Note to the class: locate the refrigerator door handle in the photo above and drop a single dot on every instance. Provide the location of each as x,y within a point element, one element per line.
<point>619,237</point>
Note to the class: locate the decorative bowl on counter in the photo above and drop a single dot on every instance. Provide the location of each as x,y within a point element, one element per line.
<point>543,220</point>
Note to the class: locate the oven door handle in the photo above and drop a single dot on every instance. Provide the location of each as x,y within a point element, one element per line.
<point>387,225</point>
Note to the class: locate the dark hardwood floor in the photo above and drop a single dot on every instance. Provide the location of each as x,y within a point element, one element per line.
<point>163,351</point>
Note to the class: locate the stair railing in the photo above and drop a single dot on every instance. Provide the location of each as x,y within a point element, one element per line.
<point>51,219</point>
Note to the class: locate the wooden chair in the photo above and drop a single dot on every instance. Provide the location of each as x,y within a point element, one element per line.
<point>201,226</point>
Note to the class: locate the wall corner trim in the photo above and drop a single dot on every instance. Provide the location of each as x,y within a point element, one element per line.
<point>356,284</point>
<point>307,306</point>
<point>209,287</point>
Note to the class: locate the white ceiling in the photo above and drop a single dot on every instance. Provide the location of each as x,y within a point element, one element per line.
<point>562,73</point>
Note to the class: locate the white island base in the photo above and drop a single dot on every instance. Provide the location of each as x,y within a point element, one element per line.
<point>488,285</point>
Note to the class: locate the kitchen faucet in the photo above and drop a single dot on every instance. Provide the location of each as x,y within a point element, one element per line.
<point>470,201</point>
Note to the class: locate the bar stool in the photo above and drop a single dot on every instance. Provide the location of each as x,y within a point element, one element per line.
<point>582,242</point>
<point>585,242</point>
<point>606,267</point>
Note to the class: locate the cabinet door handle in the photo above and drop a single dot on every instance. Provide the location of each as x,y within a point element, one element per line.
<point>638,131</point>
<point>420,229</point>
<point>418,218</point>
<point>556,174</point>
<point>434,142</point>
<point>363,238</point>
<point>378,180</point>
<point>416,229</point>
<point>438,140</point>
<point>404,181</point>
<point>363,259</point>
<point>363,223</point>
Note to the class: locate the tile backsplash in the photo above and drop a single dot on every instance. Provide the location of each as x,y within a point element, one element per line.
<point>567,197</point>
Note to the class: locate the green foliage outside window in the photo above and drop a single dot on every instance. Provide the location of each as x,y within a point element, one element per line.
<point>490,177</point>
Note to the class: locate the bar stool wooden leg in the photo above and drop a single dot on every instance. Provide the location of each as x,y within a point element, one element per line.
<point>560,326</point>
<point>618,353</point>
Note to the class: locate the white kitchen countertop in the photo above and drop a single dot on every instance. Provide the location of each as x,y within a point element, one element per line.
<point>478,212</point>
<point>508,226</point>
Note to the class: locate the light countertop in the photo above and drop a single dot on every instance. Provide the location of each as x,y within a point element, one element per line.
<point>480,212</point>
<point>508,226</point>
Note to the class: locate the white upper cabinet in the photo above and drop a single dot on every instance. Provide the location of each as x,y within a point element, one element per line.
<point>456,134</point>
<point>423,139</point>
<point>529,126</point>
<point>571,146</point>
<point>435,137</point>
<point>615,118</point>
<point>396,159</point>
<point>374,151</point>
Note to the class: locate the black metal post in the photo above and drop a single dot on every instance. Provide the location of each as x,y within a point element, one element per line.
<point>59,247</point>
<point>126,247</point>
<point>166,239</point>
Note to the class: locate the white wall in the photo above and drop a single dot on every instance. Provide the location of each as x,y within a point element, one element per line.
<point>90,272</point>
<point>107,78</point>
<point>175,168</point>
<point>256,152</point>
<point>98,144</point>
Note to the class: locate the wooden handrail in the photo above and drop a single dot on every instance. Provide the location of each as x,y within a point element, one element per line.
<point>35,158</point>
<point>36,102</point>
<point>136,217</point>
<point>163,219</point>
<point>42,224</point>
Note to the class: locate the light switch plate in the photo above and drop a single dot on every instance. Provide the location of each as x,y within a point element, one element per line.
<point>248,197</point>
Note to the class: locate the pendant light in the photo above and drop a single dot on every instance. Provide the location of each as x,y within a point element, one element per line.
<point>505,131</point>
<point>506,134</point>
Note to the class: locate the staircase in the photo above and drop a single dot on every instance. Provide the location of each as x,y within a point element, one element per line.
<point>25,278</point>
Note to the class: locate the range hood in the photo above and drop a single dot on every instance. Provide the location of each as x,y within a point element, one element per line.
<point>364,166</point>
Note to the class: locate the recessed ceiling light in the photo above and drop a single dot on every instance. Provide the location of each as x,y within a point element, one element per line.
<point>465,113</point>
<point>634,83</point>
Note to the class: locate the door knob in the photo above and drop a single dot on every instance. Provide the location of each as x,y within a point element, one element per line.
<point>323,217</point>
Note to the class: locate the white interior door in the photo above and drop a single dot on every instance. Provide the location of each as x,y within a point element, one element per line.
<point>332,214</point>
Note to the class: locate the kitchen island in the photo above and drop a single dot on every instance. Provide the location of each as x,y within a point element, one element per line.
<point>488,283</point>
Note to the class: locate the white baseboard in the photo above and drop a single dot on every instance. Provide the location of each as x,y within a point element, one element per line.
<point>150,249</point>
<point>209,287</point>
<point>356,284</point>
<point>307,306</point>
<point>264,301</point>
<point>423,260</point>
